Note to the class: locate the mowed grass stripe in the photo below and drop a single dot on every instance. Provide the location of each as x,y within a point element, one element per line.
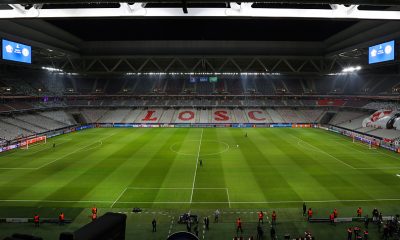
<point>211,174</point>
<point>329,174</point>
<point>154,173</point>
<point>272,183</point>
<point>369,157</point>
<point>347,184</point>
<point>28,180</point>
<point>110,158</point>
<point>238,174</point>
<point>268,166</point>
<point>290,158</point>
<point>37,155</point>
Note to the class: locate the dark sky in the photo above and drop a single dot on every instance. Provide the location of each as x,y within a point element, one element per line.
<point>202,29</point>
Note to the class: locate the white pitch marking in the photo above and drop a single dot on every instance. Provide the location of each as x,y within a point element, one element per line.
<point>53,201</point>
<point>322,151</point>
<point>120,195</point>
<point>18,168</point>
<point>197,163</point>
<point>227,193</point>
<point>166,188</point>
<point>74,151</point>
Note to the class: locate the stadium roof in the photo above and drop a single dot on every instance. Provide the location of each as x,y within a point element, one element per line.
<point>187,31</point>
<point>358,2</point>
<point>342,9</point>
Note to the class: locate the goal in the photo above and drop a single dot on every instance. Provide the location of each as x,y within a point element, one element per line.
<point>26,144</point>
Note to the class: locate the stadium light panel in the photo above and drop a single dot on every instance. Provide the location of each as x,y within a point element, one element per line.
<point>51,69</point>
<point>351,69</point>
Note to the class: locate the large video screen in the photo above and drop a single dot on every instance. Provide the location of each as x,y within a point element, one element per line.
<point>382,52</point>
<point>17,52</point>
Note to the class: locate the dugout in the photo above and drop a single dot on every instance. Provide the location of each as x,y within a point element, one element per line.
<point>110,226</point>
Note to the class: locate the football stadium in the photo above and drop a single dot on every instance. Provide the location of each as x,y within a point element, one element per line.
<point>199,120</point>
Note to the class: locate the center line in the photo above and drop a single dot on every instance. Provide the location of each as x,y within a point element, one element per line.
<point>197,163</point>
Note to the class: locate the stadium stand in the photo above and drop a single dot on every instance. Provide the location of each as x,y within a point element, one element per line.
<point>345,116</point>
<point>114,116</point>
<point>24,125</point>
<point>41,121</point>
<point>382,105</point>
<point>353,123</point>
<point>275,116</point>
<point>59,116</point>
<point>11,132</point>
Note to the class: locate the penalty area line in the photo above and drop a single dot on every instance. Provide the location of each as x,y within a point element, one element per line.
<point>120,195</point>
<point>324,152</point>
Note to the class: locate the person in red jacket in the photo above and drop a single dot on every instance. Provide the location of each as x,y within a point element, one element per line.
<point>359,212</point>
<point>94,216</point>
<point>36,220</point>
<point>94,209</point>
<point>61,218</point>
<point>239,226</point>
<point>335,213</point>
<point>273,217</point>
<point>261,217</point>
<point>309,214</point>
<point>332,218</point>
<point>366,235</point>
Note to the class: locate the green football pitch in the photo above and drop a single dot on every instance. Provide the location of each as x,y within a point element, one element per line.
<point>159,169</point>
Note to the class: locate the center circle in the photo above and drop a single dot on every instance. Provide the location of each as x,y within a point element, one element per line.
<point>207,148</point>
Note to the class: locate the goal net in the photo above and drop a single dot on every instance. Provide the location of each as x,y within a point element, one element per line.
<point>26,144</point>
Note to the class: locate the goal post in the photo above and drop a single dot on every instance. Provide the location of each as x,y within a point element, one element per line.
<point>33,141</point>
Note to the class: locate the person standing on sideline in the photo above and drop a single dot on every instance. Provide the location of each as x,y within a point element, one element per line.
<point>272,232</point>
<point>94,216</point>
<point>36,220</point>
<point>261,217</point>
<point>154,224</point>
<point>239,226</point>
<point>189,225</point>
<point>61,218</point>
<point>94,209</point>
<point>349,234</point>
<point>356,232</point>
<point>366,222</point>
<point>216,215</point>
<point>332,218</point>
<point>260,232</point>
<point>359,212</point>
<point>201,162</point>
<point>335,213</point>
<point>273,217</point>
<point>207,222</point>
<point>304,209</point>
<point>309,213</point>
<point>366,235</point>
